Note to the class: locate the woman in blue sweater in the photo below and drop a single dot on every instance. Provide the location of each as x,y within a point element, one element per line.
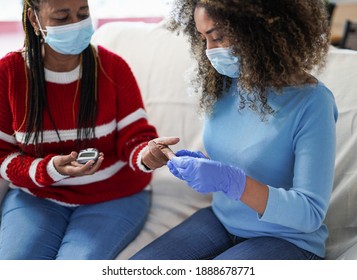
<point>269,132</point>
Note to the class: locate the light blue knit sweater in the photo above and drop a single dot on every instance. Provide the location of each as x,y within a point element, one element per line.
<point>293,152</point>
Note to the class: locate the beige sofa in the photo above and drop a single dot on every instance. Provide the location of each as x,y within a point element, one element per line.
<point>161,62</point>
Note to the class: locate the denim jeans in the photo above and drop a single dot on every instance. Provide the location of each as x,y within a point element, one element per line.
<point>203,237</point>
<point>33,228</point>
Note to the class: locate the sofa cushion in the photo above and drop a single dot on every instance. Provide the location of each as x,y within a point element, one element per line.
<point>340,75</point>
<point>160,61</point>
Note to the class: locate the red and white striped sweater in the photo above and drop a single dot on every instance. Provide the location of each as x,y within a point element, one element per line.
<point>122,132</point>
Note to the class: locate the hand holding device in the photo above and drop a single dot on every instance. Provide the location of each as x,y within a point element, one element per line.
<point>74,164</point>
<point>205,175</point>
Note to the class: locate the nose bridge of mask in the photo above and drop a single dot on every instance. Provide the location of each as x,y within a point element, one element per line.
<point>63,28</point>
<point>218,50</point>
<point>77,26</point>
<point>222,54</point>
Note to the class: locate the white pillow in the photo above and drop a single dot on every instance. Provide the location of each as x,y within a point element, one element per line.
<point>340,76</point>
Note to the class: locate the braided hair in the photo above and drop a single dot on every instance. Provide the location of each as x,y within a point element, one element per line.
<point>36,98</point>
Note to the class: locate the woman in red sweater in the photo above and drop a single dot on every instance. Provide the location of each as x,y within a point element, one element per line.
<point>60,95</point>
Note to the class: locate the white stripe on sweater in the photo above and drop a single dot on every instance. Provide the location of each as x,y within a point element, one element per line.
<point>50,136</point>
<point>53,173</point>
<point>97,177</point>
<point>32,171</point>
<point>133,117</point>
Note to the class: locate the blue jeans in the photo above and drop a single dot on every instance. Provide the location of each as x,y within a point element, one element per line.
<point>203,237</point>
<point>38,229</point>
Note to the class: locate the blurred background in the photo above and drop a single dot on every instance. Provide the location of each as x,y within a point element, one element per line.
<point>149,11</point>
<point>102,11</point>
<point>11,9</point>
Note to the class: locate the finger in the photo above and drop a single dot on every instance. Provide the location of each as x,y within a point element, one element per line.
<point>173,170</point>
<point>60,162</point>
<point>181,162</point>
<point>181,153</point>
<point>156,151</point>
<point>197,154</point>
<point>91,167</point>
<point>165,150</point>
<point>163,144</point>
<point>202,155</point>
<point>168,152</point>
<point>76,164</point>
<point>167,140</point>
<point>66,159</point>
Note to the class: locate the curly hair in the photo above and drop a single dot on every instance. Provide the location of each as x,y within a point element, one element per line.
<point>275,39</point>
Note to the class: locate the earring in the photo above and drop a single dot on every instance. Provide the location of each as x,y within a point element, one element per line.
<point>38,34</point>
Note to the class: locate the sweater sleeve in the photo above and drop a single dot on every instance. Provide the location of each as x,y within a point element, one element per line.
<point>20,169</point>
<point>29,172</point>
<point>314,146</point>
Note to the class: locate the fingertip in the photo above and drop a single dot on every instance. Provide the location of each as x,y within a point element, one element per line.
<point>175,160</point>
<point>170,155</point>
<point>90,162</point>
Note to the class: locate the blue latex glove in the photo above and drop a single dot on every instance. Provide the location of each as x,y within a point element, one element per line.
<point>197,154</point>
<point>181,153</point>
<point>205,175</point>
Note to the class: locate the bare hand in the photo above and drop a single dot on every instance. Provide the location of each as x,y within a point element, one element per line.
<point>158,152</point>
<point>68,166</point>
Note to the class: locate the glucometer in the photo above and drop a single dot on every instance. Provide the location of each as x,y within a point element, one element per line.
<point>87,155</point>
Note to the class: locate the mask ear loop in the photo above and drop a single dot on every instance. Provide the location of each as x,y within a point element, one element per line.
<point>40,27</point>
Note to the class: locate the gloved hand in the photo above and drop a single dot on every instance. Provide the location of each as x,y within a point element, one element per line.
<point>182,153</point>
<point>205,175</point>
<point>197,154</point>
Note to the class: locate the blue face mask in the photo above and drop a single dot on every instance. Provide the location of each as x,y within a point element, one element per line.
<point>224,61</point>
<point>69,39</point>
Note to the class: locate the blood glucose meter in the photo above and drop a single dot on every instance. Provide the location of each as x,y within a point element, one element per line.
<point>87,155</point>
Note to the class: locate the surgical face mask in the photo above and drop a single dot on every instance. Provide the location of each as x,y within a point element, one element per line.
<point>224,61</point>
<point>70,38</point>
